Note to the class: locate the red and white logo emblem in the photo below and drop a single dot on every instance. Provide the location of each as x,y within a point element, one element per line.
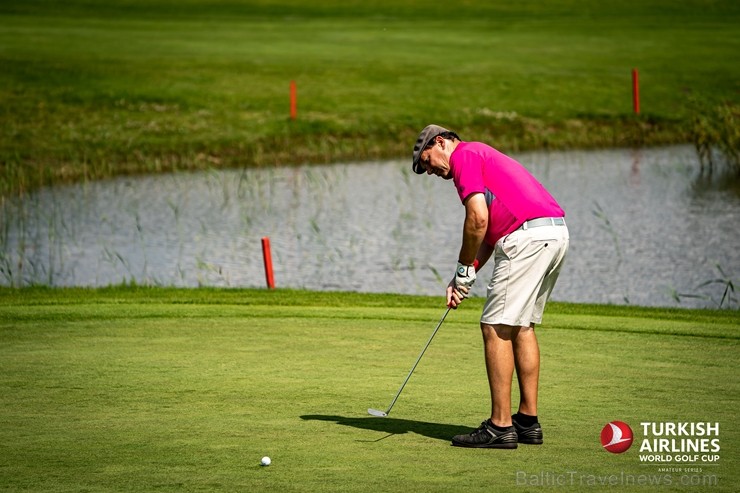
<point>616,437</point>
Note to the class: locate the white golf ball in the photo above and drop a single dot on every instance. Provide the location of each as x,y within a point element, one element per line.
<point>265,461</point>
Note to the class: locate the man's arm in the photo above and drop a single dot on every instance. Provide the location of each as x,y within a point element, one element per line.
<point>474,229</point>
<point>484,253</point>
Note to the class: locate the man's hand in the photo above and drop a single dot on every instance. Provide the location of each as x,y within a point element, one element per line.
<point>459,287</point>
<point>464,278</point>
<point>454,297</point>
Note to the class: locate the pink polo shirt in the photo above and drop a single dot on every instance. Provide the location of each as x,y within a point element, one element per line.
<point>512,193</point>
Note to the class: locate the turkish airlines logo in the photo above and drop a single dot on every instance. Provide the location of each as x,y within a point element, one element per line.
<point>616,437</point>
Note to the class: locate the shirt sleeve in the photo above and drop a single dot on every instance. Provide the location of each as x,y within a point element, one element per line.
<point>467,173</point>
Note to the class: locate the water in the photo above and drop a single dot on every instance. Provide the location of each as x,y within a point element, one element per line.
<point>643,226</point>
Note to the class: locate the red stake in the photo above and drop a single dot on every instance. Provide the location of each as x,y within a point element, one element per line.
<point>293,101</point>
<point>635,92</point>
<point>267,256</point>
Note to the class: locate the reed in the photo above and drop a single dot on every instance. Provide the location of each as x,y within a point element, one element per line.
<point>718,291</point>
<point>715,132</point>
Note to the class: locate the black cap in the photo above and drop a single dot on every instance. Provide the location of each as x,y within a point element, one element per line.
<point>425,138</point>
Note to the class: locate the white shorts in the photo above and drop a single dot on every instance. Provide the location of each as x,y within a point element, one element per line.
<point>526,266</point>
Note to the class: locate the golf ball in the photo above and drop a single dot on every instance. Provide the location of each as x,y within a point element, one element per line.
<point>265,461</point>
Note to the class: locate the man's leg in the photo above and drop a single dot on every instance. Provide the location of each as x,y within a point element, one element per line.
<point>527,362</point>
<point>499,354</point>
<point>498,432</point>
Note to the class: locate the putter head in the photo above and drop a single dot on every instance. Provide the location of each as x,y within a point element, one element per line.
<point>375,412</point>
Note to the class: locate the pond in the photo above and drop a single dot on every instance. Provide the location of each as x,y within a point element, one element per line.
<point>646,229</point>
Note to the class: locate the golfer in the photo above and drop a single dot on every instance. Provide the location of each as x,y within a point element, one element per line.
<point>508,215</point>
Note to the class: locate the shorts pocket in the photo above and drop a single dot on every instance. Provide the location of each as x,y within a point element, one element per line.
<point>508,245</point>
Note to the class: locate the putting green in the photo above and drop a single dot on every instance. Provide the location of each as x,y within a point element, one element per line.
<point>132,389</point>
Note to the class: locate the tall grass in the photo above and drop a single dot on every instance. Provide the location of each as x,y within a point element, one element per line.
<point>715,132</point>
<point>727,298</point>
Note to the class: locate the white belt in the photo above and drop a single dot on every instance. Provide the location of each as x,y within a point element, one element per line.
<point>542,221</point>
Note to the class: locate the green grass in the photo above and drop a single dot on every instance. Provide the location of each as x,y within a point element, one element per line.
<point>94,89</point>
<point>144,389</point>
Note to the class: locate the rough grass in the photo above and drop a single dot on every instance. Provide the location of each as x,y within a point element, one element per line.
<point>94,89</point>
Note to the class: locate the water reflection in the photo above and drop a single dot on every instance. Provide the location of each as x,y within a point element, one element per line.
<point>642,228</point>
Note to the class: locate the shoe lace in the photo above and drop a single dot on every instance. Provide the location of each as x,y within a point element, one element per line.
<point>481,429</point>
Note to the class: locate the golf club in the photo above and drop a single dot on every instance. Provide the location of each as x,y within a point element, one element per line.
<point>383,414</point>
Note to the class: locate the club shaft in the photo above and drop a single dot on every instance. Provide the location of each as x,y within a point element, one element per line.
<point>418,359</point>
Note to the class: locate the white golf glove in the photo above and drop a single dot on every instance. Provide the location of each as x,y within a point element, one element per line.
<point>464,279</point>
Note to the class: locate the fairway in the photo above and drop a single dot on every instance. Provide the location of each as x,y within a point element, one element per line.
<point>134,389</point>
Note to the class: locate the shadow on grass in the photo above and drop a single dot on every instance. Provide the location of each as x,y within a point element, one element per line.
<point>394,426</point>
